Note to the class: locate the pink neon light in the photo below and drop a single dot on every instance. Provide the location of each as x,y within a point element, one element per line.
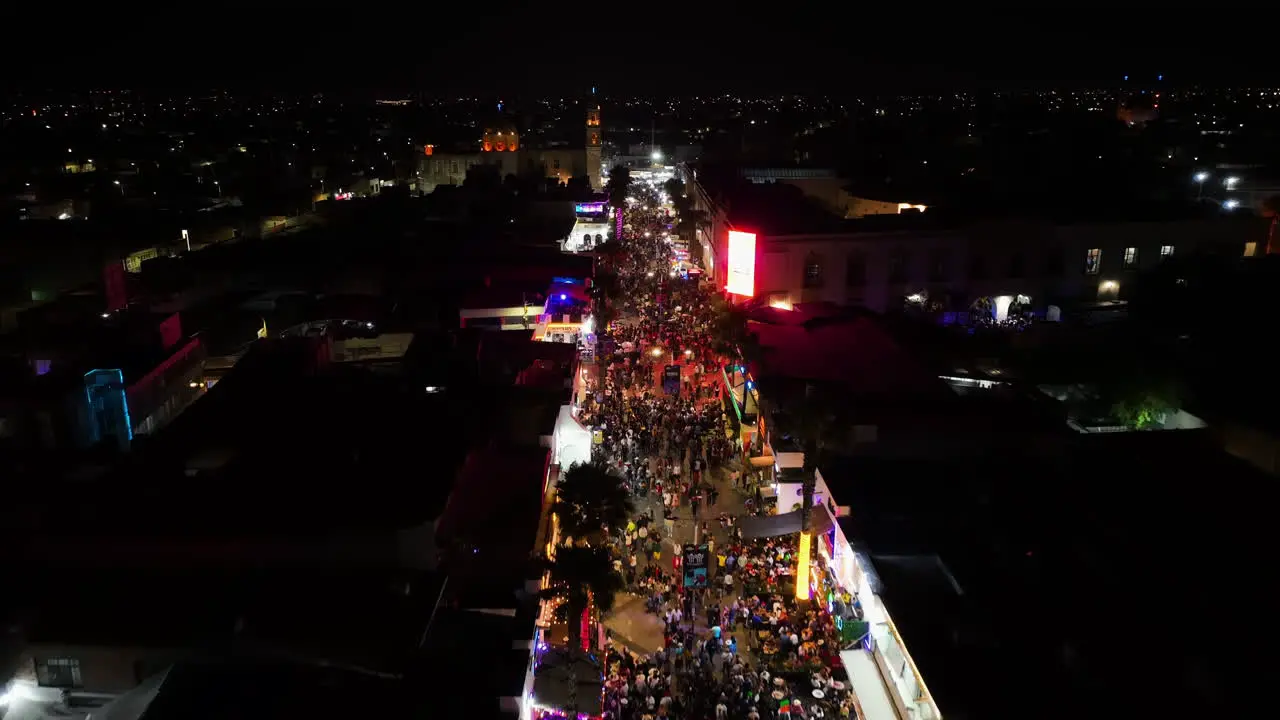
<point>742,263</point>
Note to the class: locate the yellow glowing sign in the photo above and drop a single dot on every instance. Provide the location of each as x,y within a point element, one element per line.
<point>802,566</point>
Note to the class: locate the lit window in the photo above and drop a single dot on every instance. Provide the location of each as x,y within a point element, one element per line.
<point>58,672</point>
<point>1250,249</point>
<point>1130,257</point>
<point>1092,261</point>
<point>1166,251</point>
<point>813,271</point>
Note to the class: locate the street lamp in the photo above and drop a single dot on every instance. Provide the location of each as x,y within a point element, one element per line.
<point>1230,204</point>
<point>1231,182</point>
<point>1200,178</point>
<point>117,184</point>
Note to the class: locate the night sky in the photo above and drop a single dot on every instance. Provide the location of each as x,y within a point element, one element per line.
<point>666,48</point>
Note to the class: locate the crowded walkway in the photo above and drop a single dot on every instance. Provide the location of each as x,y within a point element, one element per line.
<point>731,642</point>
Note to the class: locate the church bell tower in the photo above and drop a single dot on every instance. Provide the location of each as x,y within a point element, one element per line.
<point>594,161</point>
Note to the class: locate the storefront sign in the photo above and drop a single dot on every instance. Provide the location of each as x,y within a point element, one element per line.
<point>671,379</point>
<point>694,561</point>
<point>742,263</point>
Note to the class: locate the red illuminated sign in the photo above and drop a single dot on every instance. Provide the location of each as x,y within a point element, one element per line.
<point>742,263</point>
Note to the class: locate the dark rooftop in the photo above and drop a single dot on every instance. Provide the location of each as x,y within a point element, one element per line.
<point>853,352</point>
<point>500,639</point>
<point>777,209</point>
<point>369,618</point>
<point>1085,570</point>
<point>263,689</point>
<point>280,430</point>
<point>493,514</point>
<point>780,209</point>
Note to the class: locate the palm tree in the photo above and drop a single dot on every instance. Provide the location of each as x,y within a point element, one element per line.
<point>730,334</point>
<point>815,421</point>
<point>605,286</point>
<point>618,188</point>
<point>591,500</point>
<point>577,577</point>
<point>675,189</point>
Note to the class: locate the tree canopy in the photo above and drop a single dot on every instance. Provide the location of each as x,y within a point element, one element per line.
<point>618,186</point>
<point>590,499</point>
<point>578,576</point>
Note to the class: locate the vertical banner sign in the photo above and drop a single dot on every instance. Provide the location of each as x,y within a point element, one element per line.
<point>742,264</point>
<point>695,565</point>
<point>671,380</point>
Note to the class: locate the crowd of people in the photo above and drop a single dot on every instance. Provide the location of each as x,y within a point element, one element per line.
<point>735,643</point>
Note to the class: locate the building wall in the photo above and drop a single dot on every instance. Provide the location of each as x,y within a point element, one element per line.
<point>451,168</point>
<point>1045,262</point>
<point>595,167</point>
<point>102,669</point>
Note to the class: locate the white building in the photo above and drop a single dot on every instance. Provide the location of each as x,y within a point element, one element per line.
<point>807,254</point>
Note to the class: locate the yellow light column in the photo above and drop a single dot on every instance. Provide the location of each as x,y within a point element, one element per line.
<point>802,566</point>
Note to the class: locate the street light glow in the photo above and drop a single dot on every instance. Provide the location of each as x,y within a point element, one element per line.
<point>1202,176</point>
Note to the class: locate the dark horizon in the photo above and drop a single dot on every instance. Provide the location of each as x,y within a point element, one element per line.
<point>529,51</point>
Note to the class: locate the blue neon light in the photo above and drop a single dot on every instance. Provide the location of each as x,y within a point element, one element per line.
<point>124,398</point>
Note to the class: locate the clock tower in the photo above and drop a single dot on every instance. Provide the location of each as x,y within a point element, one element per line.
<point>594,161</point>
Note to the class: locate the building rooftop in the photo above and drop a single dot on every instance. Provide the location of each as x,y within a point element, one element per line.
<point>1078,567</point>
<point>492,517</point>
<point>370,618</point>
<point>280,430</point>
<point>262,688</point>
<point>781,209</point>
<point>851,351</point>
<point>484,651</point>
<point>776,209</point>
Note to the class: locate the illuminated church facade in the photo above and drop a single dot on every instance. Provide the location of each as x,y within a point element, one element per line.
<point>501,146</point>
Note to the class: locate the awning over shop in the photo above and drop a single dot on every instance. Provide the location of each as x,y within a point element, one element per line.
<point>785,524</point>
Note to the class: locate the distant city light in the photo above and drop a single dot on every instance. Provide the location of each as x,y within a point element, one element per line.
<point>1231,205</point>
<point>1201,176</point>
